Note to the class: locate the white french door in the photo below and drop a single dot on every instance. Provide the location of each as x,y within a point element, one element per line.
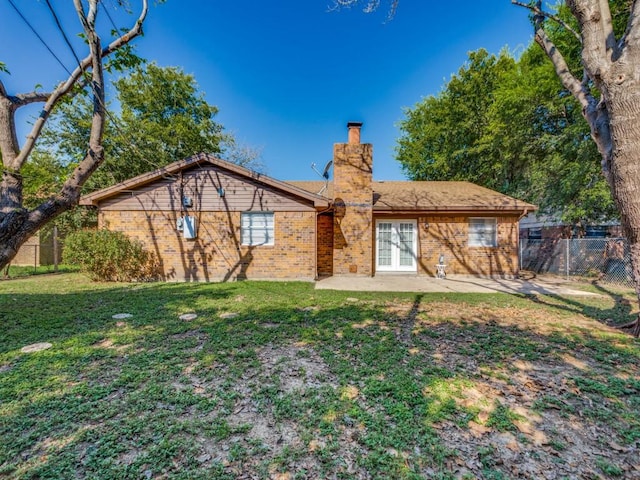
<point>396,245</point>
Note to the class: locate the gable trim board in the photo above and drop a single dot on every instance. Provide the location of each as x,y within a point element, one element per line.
<point>314,234</point>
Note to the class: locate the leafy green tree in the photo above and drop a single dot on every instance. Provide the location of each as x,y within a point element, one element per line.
<point>442,136</point>
<point>509,125</point>
<point>163,117</point>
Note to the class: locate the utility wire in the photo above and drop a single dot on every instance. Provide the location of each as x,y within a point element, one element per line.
<point>106,10</point>
<point>35,32</point>
<point>64,35</point>
<point>114,120</point>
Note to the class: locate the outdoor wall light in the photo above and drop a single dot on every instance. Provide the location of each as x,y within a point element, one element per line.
<point>221,191</point>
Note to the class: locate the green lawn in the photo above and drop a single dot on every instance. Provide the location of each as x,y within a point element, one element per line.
<point>277,380</point>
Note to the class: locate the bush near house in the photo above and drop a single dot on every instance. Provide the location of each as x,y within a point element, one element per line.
<point>110,256</point>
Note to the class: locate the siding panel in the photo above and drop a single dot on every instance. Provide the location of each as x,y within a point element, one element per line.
<point>202,186</point>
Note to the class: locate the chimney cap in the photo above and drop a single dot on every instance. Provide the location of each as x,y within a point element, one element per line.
<point>354,124</point>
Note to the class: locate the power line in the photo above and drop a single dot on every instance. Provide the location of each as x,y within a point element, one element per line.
<point>35,32</point>
<point>108,114</point>
<point>64,35</point>
<point>106,10</point>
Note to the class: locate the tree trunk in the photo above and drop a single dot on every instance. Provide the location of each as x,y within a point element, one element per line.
<point>14,231</point>
<point>623,99</point>
<point>17,226</point>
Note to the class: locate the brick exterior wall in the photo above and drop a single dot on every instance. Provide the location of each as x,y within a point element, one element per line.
<point>450,235</point>
<point>217,254</point>
<point>325,245</point>
<point>353,220</point>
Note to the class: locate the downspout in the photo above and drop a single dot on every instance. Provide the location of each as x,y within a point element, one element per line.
<point>315,249</point>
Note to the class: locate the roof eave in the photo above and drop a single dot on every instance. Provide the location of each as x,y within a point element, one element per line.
<point>93,199</point>
<point>518,210</point>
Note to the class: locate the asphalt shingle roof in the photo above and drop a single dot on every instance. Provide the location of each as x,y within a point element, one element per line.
<point>431,196</point>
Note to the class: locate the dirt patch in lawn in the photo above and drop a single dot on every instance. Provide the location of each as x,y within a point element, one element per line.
<point>294,367</point>
<point>531,419</point>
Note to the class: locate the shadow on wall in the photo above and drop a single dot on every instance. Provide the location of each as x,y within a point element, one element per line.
<point>216,253</point>
<point>450,236</point>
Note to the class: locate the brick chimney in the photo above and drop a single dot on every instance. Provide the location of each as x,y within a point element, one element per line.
<point>354,132</point>
<point>353,205</point>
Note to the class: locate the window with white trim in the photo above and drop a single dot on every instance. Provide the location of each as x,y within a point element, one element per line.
<point>483,232</point>
<point>257,228</point>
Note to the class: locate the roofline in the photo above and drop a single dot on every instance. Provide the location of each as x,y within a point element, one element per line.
<point>92,199</point>
<point>517,210</point>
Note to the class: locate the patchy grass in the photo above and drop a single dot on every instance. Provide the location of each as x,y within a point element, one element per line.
<point>277,380</point>
<point>15,271</point>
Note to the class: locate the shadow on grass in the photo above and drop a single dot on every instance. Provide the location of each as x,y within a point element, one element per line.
<point>57,316</point>
<point>405,377</point>
<point>618,314</point>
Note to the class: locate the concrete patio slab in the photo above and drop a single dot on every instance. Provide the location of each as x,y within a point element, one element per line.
<point>452,284</point>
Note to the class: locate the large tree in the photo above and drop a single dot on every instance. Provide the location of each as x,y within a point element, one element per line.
<point>607,88</point>
<point>18,222</point>
<point>446,136</point>
<point>508,124</point>
<point>161,116</point>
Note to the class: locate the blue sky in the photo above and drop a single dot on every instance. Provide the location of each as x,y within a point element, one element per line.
<point>287,75</point>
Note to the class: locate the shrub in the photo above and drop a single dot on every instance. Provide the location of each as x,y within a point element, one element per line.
<point>109,256</point>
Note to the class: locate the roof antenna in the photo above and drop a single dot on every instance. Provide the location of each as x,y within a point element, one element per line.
<point>324,174</point>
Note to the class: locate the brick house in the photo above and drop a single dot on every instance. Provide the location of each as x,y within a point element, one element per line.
<point>209,220</point>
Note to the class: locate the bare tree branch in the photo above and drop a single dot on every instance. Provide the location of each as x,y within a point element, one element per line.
<point>538,11</point>
<point>594,111</point>
<point>370,6</point>
<point>632,33</point>
<point>27,98</point>
<point>64,88</point>
<point>607,29</point>
<point>569,81</point>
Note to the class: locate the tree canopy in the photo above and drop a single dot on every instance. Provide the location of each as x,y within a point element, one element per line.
<point>508,124</point>
<point>161,116</point>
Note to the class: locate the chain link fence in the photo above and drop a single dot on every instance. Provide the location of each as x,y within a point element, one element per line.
<point>606,259</point>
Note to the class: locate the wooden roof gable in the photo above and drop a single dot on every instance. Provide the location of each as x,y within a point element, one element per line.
<point>201,159</point>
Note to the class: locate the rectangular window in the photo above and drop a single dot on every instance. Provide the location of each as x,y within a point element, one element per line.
<point>483,232</point>
<point>257,228</point>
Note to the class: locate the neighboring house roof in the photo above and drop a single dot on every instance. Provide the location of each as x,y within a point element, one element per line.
<point>399,196</point>
<point>197,160</point>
